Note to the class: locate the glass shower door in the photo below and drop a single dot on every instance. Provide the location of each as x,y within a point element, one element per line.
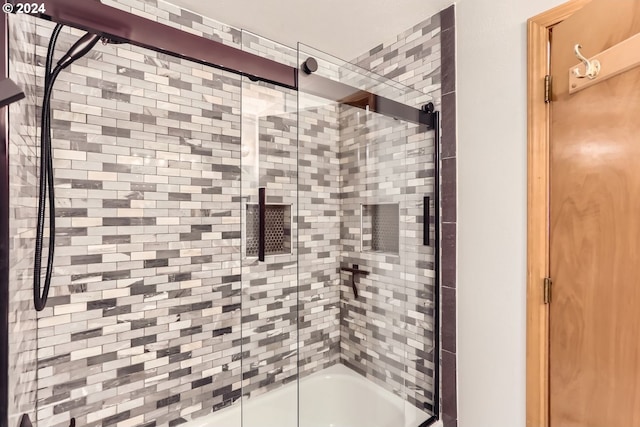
<point>366,281</point>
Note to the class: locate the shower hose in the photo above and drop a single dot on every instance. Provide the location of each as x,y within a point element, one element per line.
<point>46,180</point>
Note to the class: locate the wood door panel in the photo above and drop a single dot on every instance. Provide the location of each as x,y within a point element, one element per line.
<point>595,228</point>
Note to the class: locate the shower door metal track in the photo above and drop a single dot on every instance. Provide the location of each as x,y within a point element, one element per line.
<point>121,26</point>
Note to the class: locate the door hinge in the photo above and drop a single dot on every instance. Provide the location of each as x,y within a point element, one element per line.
<point>546,290</point>
<point>547,89</point>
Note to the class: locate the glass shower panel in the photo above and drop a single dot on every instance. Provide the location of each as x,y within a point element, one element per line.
<point>23,336</point>
<point>369,178</point>
<point>143,322</point>
<point>269,254</point>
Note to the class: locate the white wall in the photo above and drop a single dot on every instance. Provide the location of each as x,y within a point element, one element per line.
<point>345,29</point>
<point>492,196</point>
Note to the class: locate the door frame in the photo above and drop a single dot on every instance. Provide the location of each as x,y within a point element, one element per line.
<point>538,122</point>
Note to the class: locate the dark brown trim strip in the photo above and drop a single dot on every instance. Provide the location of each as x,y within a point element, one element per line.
<point>122,26</point>
<point>4,230</point>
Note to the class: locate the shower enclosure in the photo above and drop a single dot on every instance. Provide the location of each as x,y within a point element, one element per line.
<point>247,233</point>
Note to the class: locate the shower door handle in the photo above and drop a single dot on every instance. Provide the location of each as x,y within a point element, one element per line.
<point>262,209</point>
<point>426,221</point>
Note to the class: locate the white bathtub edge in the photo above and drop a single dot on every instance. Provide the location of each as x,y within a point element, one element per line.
<point>232,415</point>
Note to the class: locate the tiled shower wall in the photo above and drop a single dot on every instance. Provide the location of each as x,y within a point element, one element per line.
<point>144,324</point>
<point>423,57</point>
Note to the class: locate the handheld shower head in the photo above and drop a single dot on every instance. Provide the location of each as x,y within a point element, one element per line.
<point>79,49</point>
<point>46,179</point>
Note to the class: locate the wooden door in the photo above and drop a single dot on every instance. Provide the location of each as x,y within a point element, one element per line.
<point>594,319</point>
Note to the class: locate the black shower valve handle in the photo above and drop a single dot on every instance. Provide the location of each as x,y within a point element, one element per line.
<point>355,272</point>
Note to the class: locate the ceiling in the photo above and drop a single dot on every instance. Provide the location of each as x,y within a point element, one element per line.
<point>344,28</point>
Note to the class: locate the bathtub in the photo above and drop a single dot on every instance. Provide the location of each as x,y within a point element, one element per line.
<point>333,397</point>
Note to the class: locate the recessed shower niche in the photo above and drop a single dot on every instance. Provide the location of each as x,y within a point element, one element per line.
<point>380,228</point>
<point>277,230</point>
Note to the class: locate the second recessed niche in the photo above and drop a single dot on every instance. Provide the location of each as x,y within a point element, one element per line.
<point>381,228</point>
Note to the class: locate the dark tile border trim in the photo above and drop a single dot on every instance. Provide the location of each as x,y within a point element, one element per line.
<point>449,219</point>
